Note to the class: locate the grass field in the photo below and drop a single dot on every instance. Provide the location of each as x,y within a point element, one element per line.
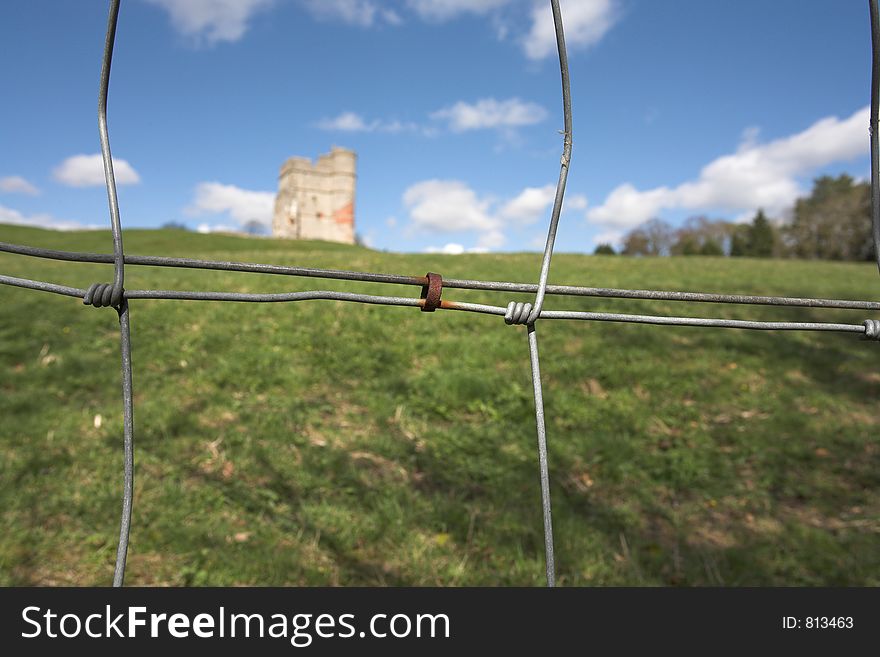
<point>328,443</point>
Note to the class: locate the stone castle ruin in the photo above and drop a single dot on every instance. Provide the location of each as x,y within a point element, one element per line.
<point>316,201</point>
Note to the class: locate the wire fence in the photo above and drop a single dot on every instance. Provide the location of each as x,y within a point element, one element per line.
<point>432,285</point>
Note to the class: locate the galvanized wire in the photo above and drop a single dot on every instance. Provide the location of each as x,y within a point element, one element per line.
<point>514,313</point>
<point>115,299</point>
<point>452,283</point>
<point>484,309</point>
<point>104,135</point>
<point>543,468</point>
<point>550,560</point>
<point>127,446</point>
<point>874,127</point>
<point>565,161</point>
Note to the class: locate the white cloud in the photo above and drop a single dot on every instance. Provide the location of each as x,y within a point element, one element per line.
<point>10,216</point>
<point>394,126</point>
<point>17,185</point>
<point>216,21</point>
<point>391,17</point>
<point>443,10</point>
<point>450,249</point>
<point>492,239</point>
<point>612,237</point>
<point>575,202</point>
<point>447,206</point>
<point>755,176</point>
<point>345,122</point>
<point>353,122</point>
<point>363,13</point>
<point>490,113</point>
<point>529,205</point>
<point>538,241</point>
<point>453,248</point>
<point>242,205</point>
<point>626,206</point>
<point>217,228</point>
<point>534,203</point>
<point>211,21</point>
<point>487,113</point>
<point>451,206</point>
<point>585,23</point>
<point>88,171</point>
<point>368,13</point>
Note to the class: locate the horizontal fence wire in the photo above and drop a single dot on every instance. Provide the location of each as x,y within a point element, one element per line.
<point>330,295</point>
<point>452,283</point>
<point>116,296</point>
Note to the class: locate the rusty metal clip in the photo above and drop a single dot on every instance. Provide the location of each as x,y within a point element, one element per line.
<point>431,292</point>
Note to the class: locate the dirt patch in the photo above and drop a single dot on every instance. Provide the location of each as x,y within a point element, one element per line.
<point>378,468</point>
<point>592,388</point>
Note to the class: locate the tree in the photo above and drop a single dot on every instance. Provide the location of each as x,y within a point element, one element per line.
<point>174,225</point>
<point>604,249</point>
<point>739,240</point>
<point>652,238</point>
<point>711,248</point>
<point>761,237</point>
<point>834,222</point>
<point>758,239</point>
<point>702,236</point>
<point>635,243</point>
<point>254,227</point>
<point>686,244</point>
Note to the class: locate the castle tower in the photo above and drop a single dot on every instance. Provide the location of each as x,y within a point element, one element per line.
<point>316,201</point>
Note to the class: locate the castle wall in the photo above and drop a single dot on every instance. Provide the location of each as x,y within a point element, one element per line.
<point>316,201</point>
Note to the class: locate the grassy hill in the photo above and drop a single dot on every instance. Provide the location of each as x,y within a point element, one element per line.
<point>328,443</point>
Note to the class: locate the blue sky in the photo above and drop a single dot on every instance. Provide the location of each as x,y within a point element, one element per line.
<point>681,107</point>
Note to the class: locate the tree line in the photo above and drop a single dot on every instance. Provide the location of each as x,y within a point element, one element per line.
<point>832,223</point>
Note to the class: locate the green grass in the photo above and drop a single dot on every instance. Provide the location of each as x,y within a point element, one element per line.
<point>329,443</point>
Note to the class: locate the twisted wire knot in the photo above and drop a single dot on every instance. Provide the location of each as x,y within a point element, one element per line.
<point>872,329</point>
<point>517,313</point>
<point>102,295</point>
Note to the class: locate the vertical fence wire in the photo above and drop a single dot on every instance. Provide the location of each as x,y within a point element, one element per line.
<point>564,163</point>
<point>550,559</point>
<point>128,446</point>
<point>106,295</point>
<point>874,129</point>
<point>114,295</point>
<point>530,317</point>
<point>109,178</point>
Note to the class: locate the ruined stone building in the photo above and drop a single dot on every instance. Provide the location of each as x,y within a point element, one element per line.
<point>316,201</point>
